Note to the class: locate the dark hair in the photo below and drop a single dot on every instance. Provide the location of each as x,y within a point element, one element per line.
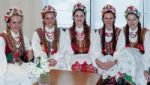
<point>109,12</point>
<point>132,14</point>
<point>85,27</point>
<point>139,34</point>
<point>43,15</point>
<point>55,24</point>
<point>103,34</point>
<point>81,11</point>
<point>139,31</point>
<point>78,10</point>
<point>14,15</point>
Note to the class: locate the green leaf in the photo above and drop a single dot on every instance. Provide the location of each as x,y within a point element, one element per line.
<point>129,79</point>
<point>39,62</point>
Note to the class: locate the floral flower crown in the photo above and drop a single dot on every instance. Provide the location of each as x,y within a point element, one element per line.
<point>132,10</point>
<point>109,8</point>
<point>48,8</point>
<point>79,6</point>
<point>13,11</point>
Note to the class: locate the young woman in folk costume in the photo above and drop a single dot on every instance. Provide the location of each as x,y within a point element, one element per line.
<point>134,36</point>
<point>79,42</point>
<point>106,39</point>
<point>47,41</point>
<point>15,51</point>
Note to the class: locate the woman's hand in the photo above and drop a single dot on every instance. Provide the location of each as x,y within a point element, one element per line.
<point>30,55</point>
<point>147,76</point>
<point>106,65</point>
<point>52,62</point>
<point>101,65</point>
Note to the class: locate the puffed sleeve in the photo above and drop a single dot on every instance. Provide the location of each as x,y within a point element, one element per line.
<point>62,42</point>
<point>95,49</point>
<point>3,60</point>
<point>97,44</point>
<point>37,49</point>
<point>67,43</point>
<point>27,43</point>
<point>146,55</point>
<point>121,41</point>
<point>93,41</point>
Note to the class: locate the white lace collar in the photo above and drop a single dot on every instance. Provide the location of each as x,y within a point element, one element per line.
<point>14,35</point>
<point>108,31</point>
<point>79,30</point>
<point>49,29</point>
<point>134,31</point>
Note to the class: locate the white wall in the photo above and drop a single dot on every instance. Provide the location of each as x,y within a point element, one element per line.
<point>31,10</point>
<point>64,17</point>
<point>147,14</point>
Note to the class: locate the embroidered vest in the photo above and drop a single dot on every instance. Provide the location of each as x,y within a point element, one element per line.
<point>46,45</point>
<point>80,47</point>
<point>109,45</point>
<point>136,44</point>
<point>19,56</point>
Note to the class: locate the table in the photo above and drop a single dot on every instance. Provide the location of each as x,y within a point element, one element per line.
<point>62,77</point>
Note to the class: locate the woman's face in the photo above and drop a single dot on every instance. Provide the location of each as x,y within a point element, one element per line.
<point>79,18</point>
<point>49,19</point>
<point>108,20</point>
<point>15,23</point>
<point>132,21</point>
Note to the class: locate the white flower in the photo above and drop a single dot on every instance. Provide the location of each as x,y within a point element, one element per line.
<point>41,66</point>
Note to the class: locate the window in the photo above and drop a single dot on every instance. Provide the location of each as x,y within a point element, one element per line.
<point>64,17</point>
<point>94,8</point>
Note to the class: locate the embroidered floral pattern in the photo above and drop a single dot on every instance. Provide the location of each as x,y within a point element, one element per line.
<point>79,6</point>
<point>45,44</point>
<point>47,9</point>
<point>108,8</point>
<point>131,9</point>
<point>11,12</point>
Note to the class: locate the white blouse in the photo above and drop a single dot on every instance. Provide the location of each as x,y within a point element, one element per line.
<point>37,48</point>
<point>3,60</point>
<point>97,42</point>
<point>67,41</point>
<point>104,58</point>
<point>70,57</point>
<point>146,55</point>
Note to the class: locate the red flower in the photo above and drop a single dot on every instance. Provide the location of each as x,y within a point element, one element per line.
<point>54,51</point>
<point>46,50</point>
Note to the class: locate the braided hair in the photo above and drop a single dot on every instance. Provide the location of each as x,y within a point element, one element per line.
<point>55,24</point>
<point>12,44</point>
<point>103,35</point>
<point>139,32</point>
<point>44,41</point>
<point>85,27</point>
